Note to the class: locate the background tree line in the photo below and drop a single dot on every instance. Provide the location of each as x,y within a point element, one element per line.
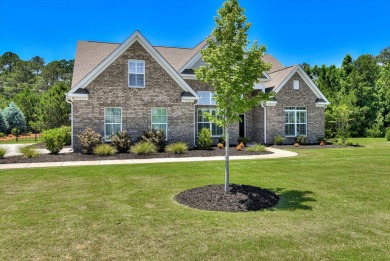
<point>359,92</point>
<point>37,89</point>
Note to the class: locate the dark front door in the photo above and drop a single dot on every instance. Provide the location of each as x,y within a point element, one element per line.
<point>242,126</point>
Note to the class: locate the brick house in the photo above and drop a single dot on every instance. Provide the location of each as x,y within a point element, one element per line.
<point>135,86</point>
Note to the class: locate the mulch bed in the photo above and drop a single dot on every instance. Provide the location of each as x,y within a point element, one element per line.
<point>241,198</point>
<point>121,156</point>
<point>306,146</point>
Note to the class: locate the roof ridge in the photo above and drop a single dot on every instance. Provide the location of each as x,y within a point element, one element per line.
<point>173,47</point>
<point>286,67</point>
<point>92,41</point>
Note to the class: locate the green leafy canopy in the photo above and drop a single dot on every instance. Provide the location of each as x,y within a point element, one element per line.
<point>232,69</point>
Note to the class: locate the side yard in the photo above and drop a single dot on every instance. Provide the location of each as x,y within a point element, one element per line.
<point>334,205</point>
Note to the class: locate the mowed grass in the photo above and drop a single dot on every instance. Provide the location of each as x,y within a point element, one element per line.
<point>334,205</point>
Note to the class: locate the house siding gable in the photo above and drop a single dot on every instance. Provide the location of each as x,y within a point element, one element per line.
<point>303,97</point>
<point>110,89</point>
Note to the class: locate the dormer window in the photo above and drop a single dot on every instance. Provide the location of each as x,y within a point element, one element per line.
<point>206,98</point>
<point>136,73</point>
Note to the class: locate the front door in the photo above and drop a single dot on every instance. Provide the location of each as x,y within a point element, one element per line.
<point>242,126</point>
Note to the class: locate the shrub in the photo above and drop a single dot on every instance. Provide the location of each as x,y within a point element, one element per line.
<point>244,140</point>
<point>256,148</point>
<point>222,140</point>
<point>15,131</point>
<point>88,140</point>
<point>278,140</point>
<point>321,139</point>
<point>121,141</point>
<point>240,146</point>
<point>67,130</point>
<point>205,140</point>
<point>104,150</point>
<point>29,152</point>
<point>220,145</point>
<point>300,139</point>
<point>157,137</point>
<point>3,151</point>
<point>143,148</point>
<point>177,148</point>
<point>387,135</point>
<point>55,139</point>
<point>2,134</point>
<point>14,117</point>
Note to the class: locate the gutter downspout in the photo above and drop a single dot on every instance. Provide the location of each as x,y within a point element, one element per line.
<point>71,119</point>
<point>195,124</point>
<point>265,122</point>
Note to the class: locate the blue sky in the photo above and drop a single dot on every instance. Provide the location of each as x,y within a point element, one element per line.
<point>313,31</point>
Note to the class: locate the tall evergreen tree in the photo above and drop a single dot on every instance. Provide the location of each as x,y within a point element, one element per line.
<point>3,123</point>
<point>53,109</point>
<point>232,70</point>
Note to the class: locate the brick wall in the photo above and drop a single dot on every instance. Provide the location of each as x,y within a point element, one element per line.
<point>197,85</point>
<point>110,89</point>
<point>288,97</point>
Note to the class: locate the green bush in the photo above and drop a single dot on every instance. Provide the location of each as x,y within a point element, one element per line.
<point>67,130</point>
<point>244,140</point>
<point>104,150</point>
<point>3,151</point>
<point>55,139</point>
<point>321,139</point>
<point>157,137</point>
<point>2,134</point>
<point>143,148</point>
<point>205,140</point>
<point>300,139</point>
<point>278,140</point>
<point>88,140</point>
<point>387,135</point>
<point>222,139</point>
<point>28,151</point>
<point>15,131</point>
<point>121,141</point>
<point>177,148</point>
<point>256,148</point>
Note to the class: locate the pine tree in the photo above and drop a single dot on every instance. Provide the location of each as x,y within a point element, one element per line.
<point>3,123</point>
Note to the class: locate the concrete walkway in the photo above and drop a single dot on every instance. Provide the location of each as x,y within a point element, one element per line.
<point>13,149</point>
<point>277,153</point>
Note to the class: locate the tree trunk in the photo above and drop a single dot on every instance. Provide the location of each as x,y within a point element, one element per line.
<point>226,159</point>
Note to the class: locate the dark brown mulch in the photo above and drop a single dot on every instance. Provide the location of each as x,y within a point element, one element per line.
<point>121,156</point>
<point>307,146</point>
<point>241,198</point>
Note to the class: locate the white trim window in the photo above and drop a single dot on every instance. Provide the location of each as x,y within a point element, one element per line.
<point>203,122</point>
<point>295,121</point>
<point>160,119</point>
<point>136,73</point>
<point>206,98</point>
<point>112,121</point>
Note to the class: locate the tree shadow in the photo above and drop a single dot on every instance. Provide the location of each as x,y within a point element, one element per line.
<point>293,199</point>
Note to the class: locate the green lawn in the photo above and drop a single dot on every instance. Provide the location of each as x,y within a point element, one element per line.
<point>335,205</point>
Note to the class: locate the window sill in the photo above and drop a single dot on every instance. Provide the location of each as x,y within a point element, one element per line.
<point>137,87</point>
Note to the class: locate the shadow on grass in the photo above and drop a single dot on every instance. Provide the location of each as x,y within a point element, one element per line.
<point>293,199</point>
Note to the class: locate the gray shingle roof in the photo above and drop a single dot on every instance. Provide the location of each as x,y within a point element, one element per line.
<point>277,77</point>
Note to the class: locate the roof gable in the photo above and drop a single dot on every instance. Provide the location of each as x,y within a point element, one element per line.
<point>283,76</point>
<point>119,50</point>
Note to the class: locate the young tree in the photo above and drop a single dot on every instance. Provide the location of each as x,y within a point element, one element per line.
<point>232,70</point>
<point>14,117</point>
